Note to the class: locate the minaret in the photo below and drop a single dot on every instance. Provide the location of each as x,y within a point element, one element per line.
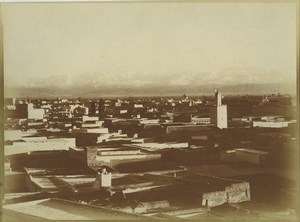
<point>218,97</point>
<point>218,114</point>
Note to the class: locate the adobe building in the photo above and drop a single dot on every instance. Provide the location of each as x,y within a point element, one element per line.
<point>233,193</point>
<point>33,143</point>
<point>103,179</point>
<point>246,155</point>
<point>182,117</point>
<point>27,111</point>
<point>95,156</point>
<point>60,209</point>
<point>218,113</point>
<point>213,191</point>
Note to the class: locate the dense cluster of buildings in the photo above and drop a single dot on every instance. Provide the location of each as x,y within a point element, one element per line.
<point>149,157</point>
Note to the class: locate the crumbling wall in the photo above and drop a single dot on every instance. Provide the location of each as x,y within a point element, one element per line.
<point>234,193</point>
<point>238,192</point>
<point>212,199</point>
<point>91,155</point>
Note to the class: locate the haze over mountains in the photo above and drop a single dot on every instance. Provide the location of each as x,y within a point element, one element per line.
<point>230,81</point>
<point>116,91</point>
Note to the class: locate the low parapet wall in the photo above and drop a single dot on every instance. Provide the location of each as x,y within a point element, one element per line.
<point>234,193</point>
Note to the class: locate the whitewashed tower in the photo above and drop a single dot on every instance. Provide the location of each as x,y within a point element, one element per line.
<point>218,113</point>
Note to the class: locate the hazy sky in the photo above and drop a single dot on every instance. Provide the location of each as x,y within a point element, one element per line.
<point>137,44</point>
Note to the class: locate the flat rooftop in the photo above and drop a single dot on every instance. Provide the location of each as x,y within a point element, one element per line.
<point>157,146</point>
<point>63,170</point>
<point>49,183</point>
<point>57,209</point>
<point>239,170</point>
<point>252,151</point>
<point>209,180</point>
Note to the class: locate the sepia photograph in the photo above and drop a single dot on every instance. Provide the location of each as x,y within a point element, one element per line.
<point>150,110</point>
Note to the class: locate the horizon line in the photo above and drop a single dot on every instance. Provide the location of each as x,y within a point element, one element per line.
<point>150,96</point>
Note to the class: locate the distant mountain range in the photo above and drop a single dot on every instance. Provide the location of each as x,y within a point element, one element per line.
<point>146,90</point>
<point>229,81</point>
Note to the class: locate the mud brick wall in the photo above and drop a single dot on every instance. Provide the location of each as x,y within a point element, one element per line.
<point>238,192</point>
<point>213,199</point>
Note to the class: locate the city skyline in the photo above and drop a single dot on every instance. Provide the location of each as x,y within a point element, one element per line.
<point>150,110</point>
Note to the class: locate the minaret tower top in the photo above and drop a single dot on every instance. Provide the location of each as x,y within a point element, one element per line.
<point>218,97</point>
